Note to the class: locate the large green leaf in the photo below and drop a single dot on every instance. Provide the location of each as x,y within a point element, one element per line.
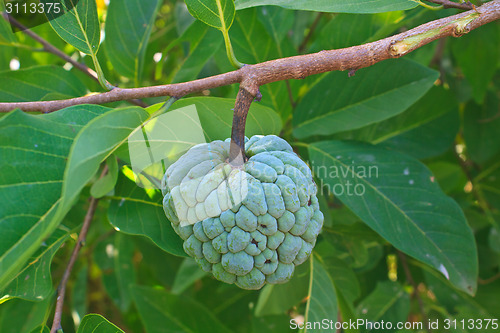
<point>114,257</point>
<point>334,6</point>
<point>164,312</point>
<point>34,151</point>
<point>19,315</point>
<point>338,103</point>
<point>33,282</point>
<point>389,302</point>
<point>93,145</point>
<point>398,197</point>
<point>128,27</point>
<point>216,13</point>
<point>79,26</point>
<point>134,212</point>
<point>322,301</point>
<point>94,323</point>
<point>426,129</point>
<point>33,84</point>
<point>434,104</point>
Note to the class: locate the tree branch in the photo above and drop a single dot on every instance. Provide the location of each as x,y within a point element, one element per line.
<point>450,4</point>
<point>297,67</point>
<point>47,47</point>
<point>244,99</point>
<point>415,294</point>
<point>56,324</point>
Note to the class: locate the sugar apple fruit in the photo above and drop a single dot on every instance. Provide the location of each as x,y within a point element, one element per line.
<point>249,225</point>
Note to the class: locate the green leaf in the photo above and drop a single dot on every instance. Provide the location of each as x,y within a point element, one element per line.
<point>338,103</point>
<point>322,301</point>
<point>94,144</point>
<point>433,105</point>
<point>188,273</point>
<point>79,26</point>
<point>106,184</point>
<point>429,140</point>
<point>133,211</point>
<point>484,305</point>
<point>216,117</point>
<point>397,197</point>
<point>33,84</point>
<point>128,28</point>
<point>7,37</point>
<point>18,315</point>
<point>276,299</point>
<point>164,312</point>
<point>277,21</point>
<point>481,126</point>
<point>42,144</point>
<point>33,282</point>
<point>253,44</point>
<point>215,13</point>
<point>94,323</point>
<point>343,277</point>
<point>199,54</point>
<point>477,58</point>
<point>388,302</point>
<point>41,329</point>
<point>114,257</point>
<point>334,6</point>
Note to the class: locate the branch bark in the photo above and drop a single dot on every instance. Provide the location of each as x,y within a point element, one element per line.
<point>297,67</point>
<point>237,149</point>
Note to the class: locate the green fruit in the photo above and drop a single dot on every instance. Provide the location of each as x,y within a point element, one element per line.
<point>248,225</point>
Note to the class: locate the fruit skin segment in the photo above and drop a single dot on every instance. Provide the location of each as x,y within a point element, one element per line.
<point>249,224</point>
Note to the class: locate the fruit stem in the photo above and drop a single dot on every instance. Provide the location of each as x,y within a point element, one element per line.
<point>237,150</point>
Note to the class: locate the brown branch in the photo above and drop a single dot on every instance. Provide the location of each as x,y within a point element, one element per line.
<point>415,294</point>
<point>450,4</point>
<point>237,150</point>
<point>56,324</point>
<point>47,47</point>
<point>297,67</point>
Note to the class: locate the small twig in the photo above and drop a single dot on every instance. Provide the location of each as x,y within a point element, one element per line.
<point>438,54</point>
<point>415,294</point>
<point>450,4</point>
<point>339,319</point>
<point>303,45</point>
<point>56,324</point>
<point>290,94</point>
<point>47,47</point>
<point>489,280</point>
<point>237,150</point>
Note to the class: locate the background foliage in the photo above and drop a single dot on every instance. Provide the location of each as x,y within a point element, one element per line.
<point>422,242</point>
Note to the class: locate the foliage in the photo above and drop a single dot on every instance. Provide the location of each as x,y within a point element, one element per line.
<point>405,154</point>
